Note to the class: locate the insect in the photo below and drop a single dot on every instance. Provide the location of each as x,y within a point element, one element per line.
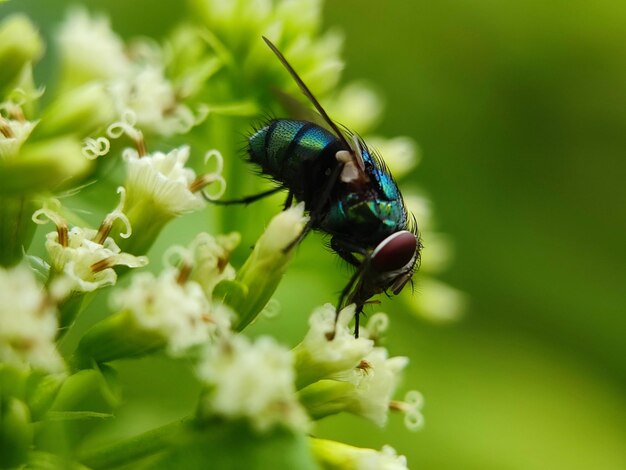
<point>349,194</point>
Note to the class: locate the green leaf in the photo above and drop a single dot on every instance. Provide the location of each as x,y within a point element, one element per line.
<point>76,415</point>
<point>234,446</point>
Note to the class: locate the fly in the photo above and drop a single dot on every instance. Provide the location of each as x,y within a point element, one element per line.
<point>349,194</point>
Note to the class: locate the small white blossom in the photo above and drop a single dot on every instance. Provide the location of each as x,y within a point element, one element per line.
<point>375,381</point>
<point>254,381</point>
<point>85,265</point>
<point>163,180</point>
<point>318,357</point>
<point>153,98</point>
<point>376,326</point>
<point>211,259</point>
<point>28,322</point>
<point>13,133</point>
<point>179,312</point>
<point>90,49</point>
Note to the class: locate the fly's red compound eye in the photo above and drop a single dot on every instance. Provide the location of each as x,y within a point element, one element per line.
<point>394,252</point>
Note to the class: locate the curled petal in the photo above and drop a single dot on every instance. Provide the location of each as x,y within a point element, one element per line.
<point>94,148</point>
<point>118,214</point>
<point>210,179</point>
<point>218,158</point>
<point>49,214</point>
<point>126,125</point>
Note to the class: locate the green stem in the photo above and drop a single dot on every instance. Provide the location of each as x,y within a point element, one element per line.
<point>16,228</point>
<point>134,448</point>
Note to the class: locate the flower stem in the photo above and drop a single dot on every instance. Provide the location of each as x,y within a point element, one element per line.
<point>134,448</point>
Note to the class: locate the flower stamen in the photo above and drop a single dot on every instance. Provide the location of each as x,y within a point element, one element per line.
<point>107,223</point>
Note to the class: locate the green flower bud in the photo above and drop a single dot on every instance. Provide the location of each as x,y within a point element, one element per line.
<point>43,166</point>
<point>116,337</point>
<point>81,112</point>
<point>332,455</point>
<point>20,44</point>
<point>41,391</point>
<point>257,280</point>
<point>15,432</point>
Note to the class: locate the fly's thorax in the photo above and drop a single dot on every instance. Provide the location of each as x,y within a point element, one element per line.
<point>367,220</point>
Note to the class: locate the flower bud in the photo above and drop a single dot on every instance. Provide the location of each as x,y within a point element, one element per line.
<point>46,165</point>
<point>332,455</point>
<point>15,432</point>
<point>81,111</point>
<point>20,44</point>
<point>257,280</point>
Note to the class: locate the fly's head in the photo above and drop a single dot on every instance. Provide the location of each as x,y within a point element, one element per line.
<point>390,266</point>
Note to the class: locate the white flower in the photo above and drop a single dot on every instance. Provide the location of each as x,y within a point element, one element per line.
<point>13,133</point>
<point>318,357</point>
<point>84,264</point>
<point>376,326</point>
<point>179,312</point>
<point>375,381</point>
<point>28,322</point>
<point>154,100</point>
<point>163,181</point>
<point>337,455</point>
<point>210,256</point>
<point>90,50</point>
<point>254,381</point>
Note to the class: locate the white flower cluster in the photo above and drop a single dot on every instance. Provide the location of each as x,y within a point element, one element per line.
<point>178,311</point>
<point>28,322</point>
<point>252,380</point>
<point>342,373</point>
<point>135,76</point>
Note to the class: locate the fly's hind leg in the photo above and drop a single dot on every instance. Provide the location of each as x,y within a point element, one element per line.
<point>248,199</point>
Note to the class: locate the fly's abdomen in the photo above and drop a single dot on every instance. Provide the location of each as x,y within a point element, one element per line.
<point>289,150</point>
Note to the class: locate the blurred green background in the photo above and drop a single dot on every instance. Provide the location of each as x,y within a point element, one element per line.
<point>519,108</point>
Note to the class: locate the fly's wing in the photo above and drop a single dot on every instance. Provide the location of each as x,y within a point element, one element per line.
<point>354,152</point>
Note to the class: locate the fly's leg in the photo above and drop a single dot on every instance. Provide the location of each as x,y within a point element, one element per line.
<point>248,199</point>
<point>288,201</point>
<point>347,251</point>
